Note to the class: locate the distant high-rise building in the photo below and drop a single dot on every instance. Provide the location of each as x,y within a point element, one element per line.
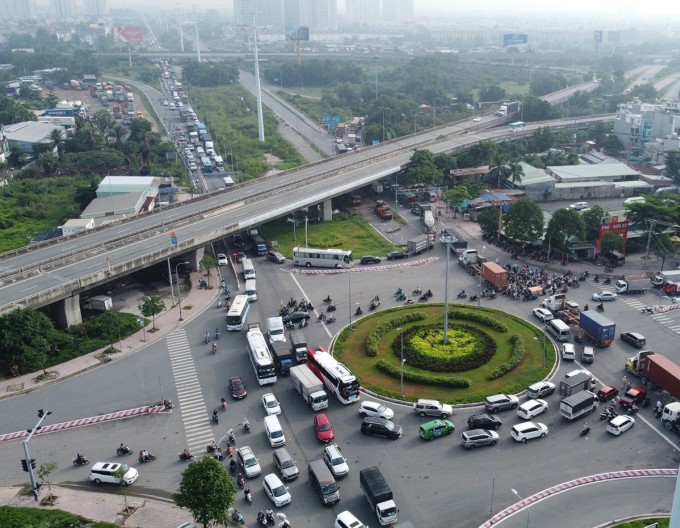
<point>96,8</point>
<point>297,14</point>
<point>397,10</point>
<point>362,11</point>
<point>64,8</point>
<point>269,14</point>
<point>17,9</point>
<point>324,14</point>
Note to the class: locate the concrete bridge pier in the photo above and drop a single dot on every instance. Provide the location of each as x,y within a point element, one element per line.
<point>327,210</point>
<point>194,257</point>
<point>66,312</point>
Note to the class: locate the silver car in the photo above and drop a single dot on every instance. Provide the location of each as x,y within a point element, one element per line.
<point>285,464</point>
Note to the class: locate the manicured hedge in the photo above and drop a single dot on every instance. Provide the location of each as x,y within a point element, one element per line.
<point>424,378</point>
<point>517,356</point>
<point>479,318</point>
<point>383,328</point>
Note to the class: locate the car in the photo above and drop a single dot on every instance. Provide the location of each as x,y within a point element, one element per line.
<point>165,103</point>
<point>500,402</point>
<point>620,424</point>
<point>295,317</point>
<point>285,464</point>
<point>635,339</point>
<point>275,490</point>
<point>107,472</point>
<point>335,461</point>
<point>248,461</point>
<point>484,421</point>
<point>633,396</point>
<point>237,388</point>
<point>568,351</point>
<point>271,404</point>
<point>396,255</point>
<point>369,408</point>
<point>424,407</point>
<point>479,437</point>
<point>532,408</point>
<point>604,296</point>
<point>579,206</point>
<point>222,259</point>
<point>540,389</point>
<point>374,425</point>
<point>323,428</point>
<point>370,259</point>
<point>416,209</point>
<point>606,393</point>
<point>275,256</point>
<point>528,430</point>
<point>237,242</point>
<point>347,519</point>
<point>543,314</point>
<point>477,119</point>
<point>435,429</point>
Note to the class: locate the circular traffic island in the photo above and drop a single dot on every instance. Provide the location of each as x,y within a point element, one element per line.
<point>485,352</point>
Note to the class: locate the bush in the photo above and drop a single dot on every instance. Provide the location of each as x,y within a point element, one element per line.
<point>380,330</point>
<point>517,356</point>
<point>424,378</point>
<point>479,318</point>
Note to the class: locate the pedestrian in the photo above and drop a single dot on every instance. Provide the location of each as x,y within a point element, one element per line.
<point>624,382</point>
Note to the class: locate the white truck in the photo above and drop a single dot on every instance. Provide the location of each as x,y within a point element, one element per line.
<point>276,330</point>
<point>666,276</point>
<point>99,303</point>
<point>309,387</point>
<point>580,404</point>
<point>633,284</point>
<point>378,495</point>
<point>428,221</point>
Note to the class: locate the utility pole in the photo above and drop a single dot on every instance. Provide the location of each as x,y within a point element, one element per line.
<point>181,36</point>
<point>198,45</point>
<point>258,88</point>
<point>28,464</point>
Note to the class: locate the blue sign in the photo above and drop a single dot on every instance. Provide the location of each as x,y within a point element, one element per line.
<point>515,39</point>
<point>173,239</point>
<point>336,119</point>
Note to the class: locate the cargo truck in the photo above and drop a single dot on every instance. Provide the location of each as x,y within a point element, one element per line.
<point>577,405</point>
<point>283,359</point>
<point>564,309</point>
<point>470,260</point>
<point>99,303</point>
<point>377,187</point>
<point>496,275</point>
<point>428,221</point>
<point>298,346</point>
<point>655,370</point>
<point>580,382</point>
<point>666,276</point>
<point>275,328</point>
<point>670,417</point>
<point>633,284</point>
<point>378,495</point>
<point>309,387</point>
<point>419,244</point>
<point>597,328</point>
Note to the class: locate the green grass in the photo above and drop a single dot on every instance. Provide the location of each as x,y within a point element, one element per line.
<point>512,89</point>
<point>351,348</point>
<point>347,231</point>
<point>15,517</point>
<point>664,522</point>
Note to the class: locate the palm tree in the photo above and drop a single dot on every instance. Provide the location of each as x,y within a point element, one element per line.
<point>48,163</point>
<point>56,136</point>
<point>515,172</point>
<point>118,133</point>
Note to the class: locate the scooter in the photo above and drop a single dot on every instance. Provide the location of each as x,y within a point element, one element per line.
<point>423,298</point>
<point>217,335</point>
<point>206,338</point>
<point>248,495</point>
<point>462,295</point>
<point>123,450</point>
<point>149,457</point>
<point>401,297</point>
<point>373,305</point>
<point>585,430</point>
<point>223,403</point>
<point>398,292</point>
<point>322,316</point>
<point>261,518</point>
<point>473,298</point>
<point>328,300</point>
<point>597,278</point>
<point>600,307</point>
<point>240,480</point>
<point>409,301</point>
<point>231,438</point>
<point>237,517</point>
<point>330,308</point>
<point>608,280</point>
<point>81,461</point>
<point>578,338</point>
<point>417,291</point>
<point>246,426</point>
<point>186,456</point>
<point>358,311</point>
<point>330,320</point>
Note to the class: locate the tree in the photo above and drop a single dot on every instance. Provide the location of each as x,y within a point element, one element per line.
<point>456,197</point>
<point>122,485</point>
<point>592,219</point>
<point>207,491</point>
<point>207,263</point>
<point>151,307</point>
<point>515,172</point>
<point>488,221</point>
<point>44,471</point>
<point>56,136</point>
<point>422,168</point>
<point>673,166</point>
<point>565,224</point>
<point>25,337</point>
<point>524,221</point>
<point>102,120</point>
<point>611,241</point>
<point>48,163</point>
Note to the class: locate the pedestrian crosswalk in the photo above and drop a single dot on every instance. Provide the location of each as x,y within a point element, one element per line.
<point>195,417</point>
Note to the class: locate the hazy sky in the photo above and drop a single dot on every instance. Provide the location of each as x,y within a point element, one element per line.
<point>500,6</point>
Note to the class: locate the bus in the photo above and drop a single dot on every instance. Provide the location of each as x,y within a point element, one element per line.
<point>260,357</point>
<point>517,125</point>
<point>237,315</point>
<point>335,376</point>
<point>206,164</point>
<point>324,258</point>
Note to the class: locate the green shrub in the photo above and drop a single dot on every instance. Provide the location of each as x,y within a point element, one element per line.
<point>424,377</point>
<point>479,318</point>
<point>380,330</point>
<point>517,356</point>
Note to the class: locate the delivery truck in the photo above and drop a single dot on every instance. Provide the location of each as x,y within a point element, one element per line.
<point>419,244</point>
<point>573,384</point>
<point>577,405</point>
<point>298,345</point>
<point>98,303</point>
<point>597,328</point>
<point>378,495</point>
<point>633,284</point>
<point>309,387</point>
<point>496,275</point>
<point>282,357</point>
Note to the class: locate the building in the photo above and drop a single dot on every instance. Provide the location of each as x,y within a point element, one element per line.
<point>362,11</point>
<point>4,145</point>
<point>638,124</point>
<point>113,185</point>
<point>122,196</point>
<point>96,8</point>
<point>64,8</point>
<point>324,15</point>
<point>269,14</point>
<point>24,136</point>
<point>397,10</point>
<point>297,13</point>
<point>603,172</point>
<point>17,9</point>
<point>73,226</point>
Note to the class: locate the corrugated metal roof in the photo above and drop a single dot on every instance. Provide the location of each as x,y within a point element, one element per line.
<point>592,172</point>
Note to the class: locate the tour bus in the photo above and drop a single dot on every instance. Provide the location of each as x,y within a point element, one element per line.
<point>248,269</point>
<point>260,357</point>
<point>251,290</point>
<point>237,316</point>
<point>228,181</point>
<point>219,163</point>
<point>206,164</point>
<point>324,258</point>
<point>335,376</point>
<point>517,125</point>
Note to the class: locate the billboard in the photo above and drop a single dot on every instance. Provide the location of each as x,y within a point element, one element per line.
<point>128,34</point>
<point>597,35</point>
<point>301,33</point>
<point>515,39</point>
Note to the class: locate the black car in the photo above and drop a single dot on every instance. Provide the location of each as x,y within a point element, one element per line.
<point>370,259</point>
<point>374,425</point>
<point>484,421</point>
<point>295,317</point>
<point>396,255</point>
<point>238,242</point>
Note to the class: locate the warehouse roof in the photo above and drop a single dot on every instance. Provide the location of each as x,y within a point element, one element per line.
<point>601,171</point>
<point>29,131</point>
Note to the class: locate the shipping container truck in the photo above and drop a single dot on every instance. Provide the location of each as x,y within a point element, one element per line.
<point>496,275</point>
<point>419,244</point>
<point>298,345</point>
<point>471,261</point>
<point>378,495</point>
<point>579,404</point>
<point>573,384</point>
<point>655,370</point>
<point>597,328</point>
<point>283,359</point>
<point>309,387</point>
<point>633,284</point>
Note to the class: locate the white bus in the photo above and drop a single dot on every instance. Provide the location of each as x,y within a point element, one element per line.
<point>517,125</point>
<point>335,376</point>
<point>260,357</point>
<point>248,269</point>
<point>324,258</point>
<point>238,313</point>
<point>251,290</point>
<point>228,180</point>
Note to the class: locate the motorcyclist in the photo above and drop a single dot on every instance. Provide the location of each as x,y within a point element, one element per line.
<point>428,293</point>
<point>269,514</point>
<point>240,480</point>
<point>232,467</point>
<point>214,347</point>
<point>186,455</point>
<point>261,518</point>
<point>246,424</point>
<point>247,494</point>
<point>217,333</point>
<point>207,336</point>
<point>80,459</point>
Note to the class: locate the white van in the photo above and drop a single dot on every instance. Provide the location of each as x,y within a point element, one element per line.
<point>248,269</point>
<point>104,472</point>
<point>276,330</point>
<point>251,290</point>
<point>559,329</point>
<point>634,199</point>
<point>274,431</point>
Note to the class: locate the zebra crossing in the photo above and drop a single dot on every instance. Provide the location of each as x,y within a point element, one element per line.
<point>195,416</point>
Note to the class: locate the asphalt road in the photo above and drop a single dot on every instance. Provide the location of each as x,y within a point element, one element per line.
<point>420,473</point>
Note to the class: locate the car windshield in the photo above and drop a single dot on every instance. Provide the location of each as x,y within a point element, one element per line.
<point>272,403</point>
<point>389,426</point>
<point>237,385</point>
<point>287,464</point>
<point>249,462</point>
<point>337,461</point>
<point>380,409</point>
<point>279,490</point>
<point>324,427</point>
<point>329,488</point>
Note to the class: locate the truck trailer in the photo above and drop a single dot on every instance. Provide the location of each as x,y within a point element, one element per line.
<point>577,405</point>
<point>598,328</point>
<point>378,495</point>
<point>496,275</point>
<point>656,370</point>
<point>309,387</point>
<point>419,244</point>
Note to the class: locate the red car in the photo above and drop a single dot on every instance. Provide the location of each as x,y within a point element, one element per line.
<point>237,388</point>
<point>606,393</point>
<point>324,431</point>
<point>635,395</point>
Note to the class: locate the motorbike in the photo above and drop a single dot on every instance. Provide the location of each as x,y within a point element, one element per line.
<point>423,298</point>
<point>148,457</point>
<point>232,468</point>
<point>223,402</point>
<point>398,292</point>
<point>428,293</point>
<point>462,295</point>
<point>240,480</point>
<point>607,414</point>
<point>237,517</point>
<point>123,450</point>
<point>167,404</point>
<point>597,278</point>
<point>330,320</point>
<point>409,301</point>
<point>231,439</point>
<point>217,335</point>
<point>328,300</point>
<point>261,518</point>
<point>283,311</point>
<point>647,310</point>
<point>373,305</point>
<point>321,317</point>
<point>248,495</point>
<point>215,418</point>
<point>185,455</point>
<point>219,303</point>
<point>246,426</point>
<point>292,303</point>
<point>214,348</point>
<point>658,411</point>
<point>269,516</point>
<point>473,298</point>
<point>578,338</point>
<point>417,291</point>
<point>206,338</point>
<point>211,448</point>
<point>585,430</point>
<point>608,280</point>
<point>401,297</point>
<point>81,460</point>
<point>303,323</point>
<point>358,311</point>
<point>330,308</point>
<point>600,307</point>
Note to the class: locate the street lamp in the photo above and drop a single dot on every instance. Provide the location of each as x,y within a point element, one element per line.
<point>526,504</point>
<point>401,365</point>
<point>179,289</point>
<point>28,464</point>
<point>481,261</point>
<point>383,124</point>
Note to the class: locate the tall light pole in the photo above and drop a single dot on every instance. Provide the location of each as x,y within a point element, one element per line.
<point>349,297</point>
<point>526,504</point>
<point>179,289</point>
<point>28,464</point>
<point>383,124</point>
<point>401,364</point>
<point>481,261</point>
<point>446,295</point>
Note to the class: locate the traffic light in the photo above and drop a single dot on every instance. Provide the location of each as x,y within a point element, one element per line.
<point>33,463</point>
<point>24,466</point>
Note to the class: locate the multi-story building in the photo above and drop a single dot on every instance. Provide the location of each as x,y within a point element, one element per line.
<point>397,10</point>
<point>64,8</point>
<point>637,126</point>
<point>324,14</point>
<point>17,9</point>
<point>269,14</point>
<point>362,11</point>
<point>96,8</point>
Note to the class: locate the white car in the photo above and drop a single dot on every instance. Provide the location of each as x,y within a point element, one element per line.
<point>271,404</point>
<point>578,206</point>
<point>477,119</point>
<point>165,103</point>
<point>335,461</point>
<point>275,490</point>
<point>248,461</point>
<point>530,409</point>
<point>543,314</point>
<point>222,259</point>
<point>528,430</point>
<point>369,408</point>
<point>568,351</point>
<point>604,296</point>
<point>620,424</point>
<point>347,519</point>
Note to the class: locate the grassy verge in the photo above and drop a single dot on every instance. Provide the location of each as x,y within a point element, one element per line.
<point>15,517</point>
<point>641,523</point>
